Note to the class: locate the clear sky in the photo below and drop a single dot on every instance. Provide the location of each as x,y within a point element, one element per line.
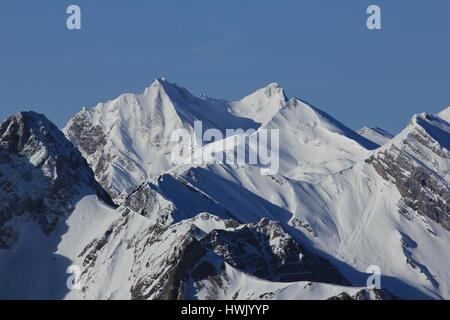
<point>318,50</point>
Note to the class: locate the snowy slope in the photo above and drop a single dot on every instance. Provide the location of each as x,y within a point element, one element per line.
<point>55,216</point>
<point>36,268</point>
<point>48,190</point>
<point>358,217</point>
<point>339,204</point>
<point>127,141</point>
<point>376,135</point>
<point>445,114</point>
<point>313,144</point>
<point>261,105</point>
<point>334,192</point>
<point>241,286</point>
<point>137,258</point>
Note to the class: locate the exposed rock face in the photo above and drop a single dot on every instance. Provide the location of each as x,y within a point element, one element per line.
<point>159,259</point>
<point>421,190</point>
<point>367,294</point>
<point>149,203</point>
<point>268,252</point>
<point>90,139</point>
<point>167,261</point>
<point>172,199</point>
<point>185,265</point>
<point>42,176</point>
<point>418,164</point>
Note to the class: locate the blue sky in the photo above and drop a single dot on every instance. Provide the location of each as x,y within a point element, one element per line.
<point>318,50</point>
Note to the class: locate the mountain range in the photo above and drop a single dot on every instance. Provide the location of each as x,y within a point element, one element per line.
<point>103,195</point>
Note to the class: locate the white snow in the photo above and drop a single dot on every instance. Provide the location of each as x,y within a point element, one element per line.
<point>445,114</point>
<point>376,135</point>
<point>242,286</point>
<point>313,144</point>
<point>261,105</point>
<point>325,195</point>
<point>36,267</point>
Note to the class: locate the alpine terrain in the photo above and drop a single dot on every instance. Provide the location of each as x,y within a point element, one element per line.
<point>98,210</point>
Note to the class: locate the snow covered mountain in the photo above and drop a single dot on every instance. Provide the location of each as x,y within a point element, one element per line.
<point>127,141</point>
<point>164,261</point>
<point>445,114</point>
<point>262,105</point>
<point>55,216</point>
<point>201,258</point>
<point>42,174</point>
<point>339,204</point>
<point>417,161</point>
<point>376,135</point>
<point>44,180</point>
<point>348,214</point>
<point>313,144</point>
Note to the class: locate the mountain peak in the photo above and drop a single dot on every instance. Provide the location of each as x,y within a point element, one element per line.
<point>417,161</point>
<point>172,90</point>
<point>45,174</point>
<point>24,116</point>
<point>262,105</point>
<point>305,117</point>
<point>421,118</point>
<point>31,138</point>
<point>18,129</point>
<point>432,126</point>
<point>161,82</point>
<point>273,86</point>
<point>426,137</point>
<point>274,89</point>
<point>445,114</point>
<point>158,83</point>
